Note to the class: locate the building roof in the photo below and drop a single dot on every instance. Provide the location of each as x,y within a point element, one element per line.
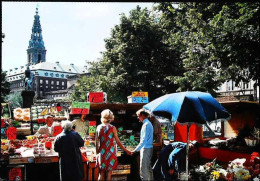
<point>49,66</point>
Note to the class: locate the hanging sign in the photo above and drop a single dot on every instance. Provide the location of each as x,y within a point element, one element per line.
<point>92,126</point>
<point>140,100</point>
<point>15,174</point>
<point>96,97</point>
<point>139,94</point>
<point>80,107</point>
<point>11,133</point>
<point>57,130</point>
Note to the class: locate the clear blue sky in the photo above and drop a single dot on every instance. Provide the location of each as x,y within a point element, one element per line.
<point>72,31</point>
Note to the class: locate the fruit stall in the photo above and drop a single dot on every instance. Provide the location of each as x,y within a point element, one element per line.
<point>33,158</point>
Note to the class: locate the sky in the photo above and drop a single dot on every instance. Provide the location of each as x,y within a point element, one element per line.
<point>73,32</point>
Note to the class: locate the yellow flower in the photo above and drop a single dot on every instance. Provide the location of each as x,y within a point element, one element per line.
<point>215,174</point>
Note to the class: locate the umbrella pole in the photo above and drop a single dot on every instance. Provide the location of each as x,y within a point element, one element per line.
<point>187,151</point>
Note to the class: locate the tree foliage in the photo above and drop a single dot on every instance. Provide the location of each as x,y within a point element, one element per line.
<point>137,58</point>
<point>5,86</point>
<point>196,46</point>
<point>219,41</point>
<point>15,99</point>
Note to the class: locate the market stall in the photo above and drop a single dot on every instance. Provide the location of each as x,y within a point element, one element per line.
<point>35,153</point>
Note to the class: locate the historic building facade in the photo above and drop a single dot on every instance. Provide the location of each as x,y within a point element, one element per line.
<point>49,78</point>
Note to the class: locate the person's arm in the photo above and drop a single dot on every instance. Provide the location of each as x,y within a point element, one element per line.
<point>119,143</point>
<point>97,140</point>
<point>40,131</point>
<point>80,140</point>
<point>143,139</point>
<point>56,144</point>
<point>175,156</point>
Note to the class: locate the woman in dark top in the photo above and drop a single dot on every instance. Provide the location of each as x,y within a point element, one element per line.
<point>68,144</point>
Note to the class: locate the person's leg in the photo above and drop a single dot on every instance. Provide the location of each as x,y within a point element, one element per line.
<point>101,176</point>
<point>109,175</point>
<point>149,159</point>
<point>146,172</point>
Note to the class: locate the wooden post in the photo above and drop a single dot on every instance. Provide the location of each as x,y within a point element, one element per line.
<point>187,151</point>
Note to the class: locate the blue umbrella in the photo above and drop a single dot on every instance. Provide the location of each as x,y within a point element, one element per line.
<point>187,108</point>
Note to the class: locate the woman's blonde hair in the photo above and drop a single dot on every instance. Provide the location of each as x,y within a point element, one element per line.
<point>107,116</point>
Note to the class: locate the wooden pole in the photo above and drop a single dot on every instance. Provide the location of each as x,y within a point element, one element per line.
<point>187,151</point>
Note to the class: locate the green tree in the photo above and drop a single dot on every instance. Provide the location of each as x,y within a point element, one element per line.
<point>15,99</point>
<point>5,86</point>
<point>218,42</point>
<point>138,57</point>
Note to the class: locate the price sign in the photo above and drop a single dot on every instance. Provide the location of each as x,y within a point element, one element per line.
<point>85,111</point>
<point>2,123</point>
<point>140,99</point>
<point>92,126</point>
<point>15,174</point>
<point>96,97</point>
<point>58,108</point>
<point>139,94</point>
<point>11,133</point>
<point>92,129</point>
<point>80,107</point>
<point>92,123</point>
<point>76,110</point>
<point>41,120</point>
<point>57,130</point>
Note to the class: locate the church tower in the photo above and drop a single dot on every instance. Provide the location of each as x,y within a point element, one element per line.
<point>36,52</point>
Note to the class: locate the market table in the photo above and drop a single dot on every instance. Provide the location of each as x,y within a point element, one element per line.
<point>221,155</point>
<point>90,169</point>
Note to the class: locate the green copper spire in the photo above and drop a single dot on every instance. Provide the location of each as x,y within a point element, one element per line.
<point>36,50</point>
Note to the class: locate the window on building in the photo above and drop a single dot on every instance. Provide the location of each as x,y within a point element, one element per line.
<point>57,75</point>
<point>62,88</point>
<point>57,83</point>
<point>54,67</point>
<point>41,81</point>
<point>52,82</point>
<point>46,87</point>
<point>46,74</point>
<point>62,75</point>
<point>57,87</point>
<point>52,87</point>
<point>69,69</point>
<point>245,85</point>
<point>67,76</point>
<point>41,86</point>
<point>62,83</point>
<point>51,74</point>
<point>47,81</point>
<point>230,85</point>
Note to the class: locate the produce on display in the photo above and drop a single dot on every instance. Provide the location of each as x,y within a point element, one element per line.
<point>22,114</point>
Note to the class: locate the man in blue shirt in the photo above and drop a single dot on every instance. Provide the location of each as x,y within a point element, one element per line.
<point>145,146</point>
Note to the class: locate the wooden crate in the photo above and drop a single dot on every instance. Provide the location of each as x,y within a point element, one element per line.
<point>119,174</point>
<point>46,159</point>
<point>20,160</point>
